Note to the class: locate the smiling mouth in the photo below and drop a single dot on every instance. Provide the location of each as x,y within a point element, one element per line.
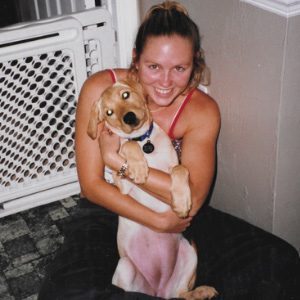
<point>163,91</point>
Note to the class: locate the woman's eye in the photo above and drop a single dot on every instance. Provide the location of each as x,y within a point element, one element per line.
<point>153,67</point>
<point>109,112</point>
<point>180,69</point>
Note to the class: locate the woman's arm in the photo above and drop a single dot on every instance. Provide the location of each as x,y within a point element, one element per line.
<point>90,168</point>
<point>199,125</point>
<point>199,148</point>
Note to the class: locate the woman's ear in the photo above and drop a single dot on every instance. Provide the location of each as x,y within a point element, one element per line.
<point>133,54</point>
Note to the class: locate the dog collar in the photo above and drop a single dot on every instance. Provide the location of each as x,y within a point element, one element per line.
<point>148,146</point>
<point>145,135</point>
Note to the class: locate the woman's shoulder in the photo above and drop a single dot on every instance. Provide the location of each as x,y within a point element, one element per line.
<point>203,110</point>
<point>105,75</point>
<point>203,104</point>
<point>104,78</point>
<point>95,84</point>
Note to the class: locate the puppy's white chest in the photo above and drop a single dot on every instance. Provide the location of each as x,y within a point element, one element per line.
<point>164,156</point>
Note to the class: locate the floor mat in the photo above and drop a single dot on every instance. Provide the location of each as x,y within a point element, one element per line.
<point>28,242</point>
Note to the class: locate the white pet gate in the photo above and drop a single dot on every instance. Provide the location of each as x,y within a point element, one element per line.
<point>42,67</point>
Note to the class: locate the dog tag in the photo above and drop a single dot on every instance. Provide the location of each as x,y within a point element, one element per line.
<point>148,147</point>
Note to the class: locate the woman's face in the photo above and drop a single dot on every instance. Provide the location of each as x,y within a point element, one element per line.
<point>165,67</point>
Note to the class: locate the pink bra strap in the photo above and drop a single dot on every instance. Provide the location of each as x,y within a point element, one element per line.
<point>112,75</point>
<point>178,113</point>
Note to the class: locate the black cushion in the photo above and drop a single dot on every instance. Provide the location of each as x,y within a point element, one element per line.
<point>240,260</point>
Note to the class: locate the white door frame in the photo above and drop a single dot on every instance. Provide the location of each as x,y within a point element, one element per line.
<point>127,18</point>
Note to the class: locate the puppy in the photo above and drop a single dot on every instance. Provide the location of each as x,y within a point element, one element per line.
<point>157,264</point>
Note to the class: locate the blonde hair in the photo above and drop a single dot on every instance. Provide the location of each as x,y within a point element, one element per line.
<point>166,19</point>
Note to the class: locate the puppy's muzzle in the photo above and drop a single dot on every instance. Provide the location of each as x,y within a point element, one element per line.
<point>130,119</point>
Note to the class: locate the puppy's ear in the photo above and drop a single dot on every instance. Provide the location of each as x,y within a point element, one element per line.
<point>96,117</point>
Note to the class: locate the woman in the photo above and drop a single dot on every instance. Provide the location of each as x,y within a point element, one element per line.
<point>164,65</point>
<point>239,260</point>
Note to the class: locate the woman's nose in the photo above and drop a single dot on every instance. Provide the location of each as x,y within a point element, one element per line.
<point>166,78</point>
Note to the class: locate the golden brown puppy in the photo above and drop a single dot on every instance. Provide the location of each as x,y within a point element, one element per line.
<point>158,264</point>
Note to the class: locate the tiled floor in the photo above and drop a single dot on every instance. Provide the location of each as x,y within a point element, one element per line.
<point>28,241</point>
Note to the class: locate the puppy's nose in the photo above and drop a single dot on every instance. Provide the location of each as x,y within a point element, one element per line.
<point>130,118</point>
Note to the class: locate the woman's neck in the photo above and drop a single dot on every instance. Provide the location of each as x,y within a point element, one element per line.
<point>163,115</point>
<point>155,108</point>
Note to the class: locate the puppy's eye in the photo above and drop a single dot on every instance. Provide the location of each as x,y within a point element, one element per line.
<point>125,95</point>
<point>109,112</point>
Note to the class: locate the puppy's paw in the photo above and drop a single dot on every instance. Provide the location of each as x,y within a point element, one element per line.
<point>181,193</point>
<point>181,204</point>
<point>137,164</point>
<point>138,171</point>
<point>200,293</point>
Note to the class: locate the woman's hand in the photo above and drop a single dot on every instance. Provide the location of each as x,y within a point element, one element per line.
<point>171,223</point>
<point>109,145</point>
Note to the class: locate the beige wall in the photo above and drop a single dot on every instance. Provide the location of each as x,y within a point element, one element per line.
<point>254,56</point>
<point>287,192</point>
